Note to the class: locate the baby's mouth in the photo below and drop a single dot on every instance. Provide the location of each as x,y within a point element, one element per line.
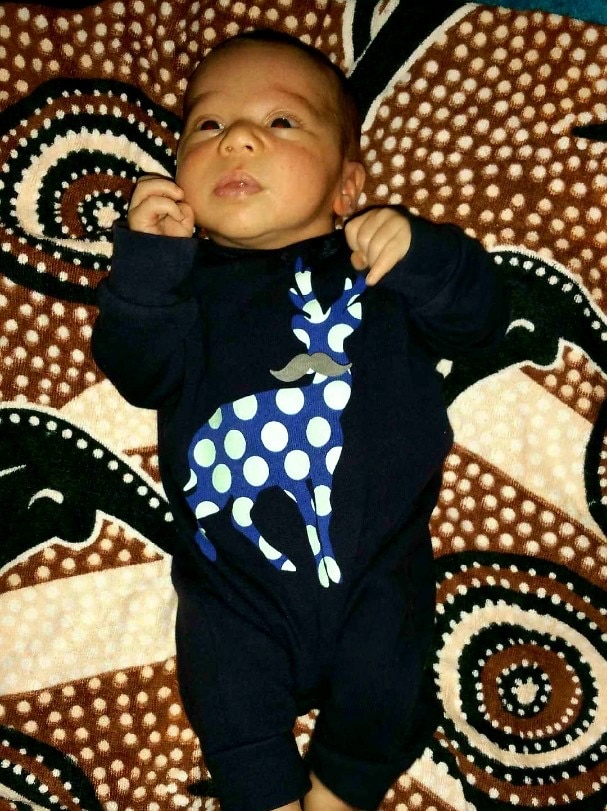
<point>236,184</point>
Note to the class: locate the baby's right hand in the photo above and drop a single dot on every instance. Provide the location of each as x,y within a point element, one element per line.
<point>158,207</point>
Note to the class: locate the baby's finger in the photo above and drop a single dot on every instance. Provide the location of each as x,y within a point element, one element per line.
<point>352,229</point>
<point>171,227</point>
<point>151,185</point>
<point>384,261</point>
<point>358,260</point>
<point>147,215</point>
<point>371,242</point>
<point>187,222</point>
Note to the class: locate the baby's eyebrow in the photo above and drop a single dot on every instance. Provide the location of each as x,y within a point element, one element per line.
<point>201,97</point>
<point>290,95</point>
<point>312,108</point>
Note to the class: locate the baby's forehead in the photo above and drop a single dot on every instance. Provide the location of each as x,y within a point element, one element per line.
<point>312,79</point>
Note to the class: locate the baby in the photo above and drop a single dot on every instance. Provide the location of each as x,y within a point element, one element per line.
<point>302,428</point>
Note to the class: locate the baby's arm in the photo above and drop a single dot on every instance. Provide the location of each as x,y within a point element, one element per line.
<point>454,294</point>
<point>146,313</point>
<point>158,207</point>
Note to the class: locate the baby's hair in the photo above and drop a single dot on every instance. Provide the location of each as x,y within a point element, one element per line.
<point>347,107</point>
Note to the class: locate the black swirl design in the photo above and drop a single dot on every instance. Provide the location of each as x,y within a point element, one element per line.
<point>43,499</point>
<point>71,152</point>
<point>42,775</point>
<point>528,642</point>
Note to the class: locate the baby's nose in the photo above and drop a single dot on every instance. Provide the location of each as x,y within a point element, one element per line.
<point>240,136</point>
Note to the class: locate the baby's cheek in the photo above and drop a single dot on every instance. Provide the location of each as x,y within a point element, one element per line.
<point>179,170</point>
<point>186,161</point>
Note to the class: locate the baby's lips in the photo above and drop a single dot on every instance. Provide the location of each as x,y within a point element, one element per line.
<point>236,184</point>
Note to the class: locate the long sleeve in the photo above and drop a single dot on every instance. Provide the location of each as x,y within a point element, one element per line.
<point>456,299</point>
<point>146,313</point>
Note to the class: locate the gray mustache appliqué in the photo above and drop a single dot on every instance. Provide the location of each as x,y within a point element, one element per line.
<point>303,364</point>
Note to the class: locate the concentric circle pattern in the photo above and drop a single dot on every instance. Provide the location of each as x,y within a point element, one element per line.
<point>71,152</point>
<point>525,714</point>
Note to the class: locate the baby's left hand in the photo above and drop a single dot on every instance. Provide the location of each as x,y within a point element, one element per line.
<point>379,238</point>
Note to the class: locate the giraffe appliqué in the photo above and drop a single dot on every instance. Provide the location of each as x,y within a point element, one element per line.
<point>288,437</point>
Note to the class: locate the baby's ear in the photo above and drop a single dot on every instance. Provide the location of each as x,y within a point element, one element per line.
<point>352,181</point>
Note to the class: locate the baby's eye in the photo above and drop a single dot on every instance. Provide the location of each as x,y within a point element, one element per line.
<point>208,124</point>
<point>282,122</point>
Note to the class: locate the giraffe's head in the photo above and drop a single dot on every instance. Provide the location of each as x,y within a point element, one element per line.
<point>322,332</point>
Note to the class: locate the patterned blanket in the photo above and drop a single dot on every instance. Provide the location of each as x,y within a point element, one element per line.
<point>492,118</point>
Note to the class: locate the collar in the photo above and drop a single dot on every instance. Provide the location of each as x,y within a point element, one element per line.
<point>309,250</point>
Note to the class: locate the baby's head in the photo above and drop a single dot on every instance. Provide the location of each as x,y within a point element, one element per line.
<point>269,153</point>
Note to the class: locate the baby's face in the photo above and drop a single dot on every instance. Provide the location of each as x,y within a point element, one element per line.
<point>260,159</point>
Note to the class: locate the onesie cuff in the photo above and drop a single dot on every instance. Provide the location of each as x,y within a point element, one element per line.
<point>433,255</point>
<point>150,270</point>
<point>356,782</point>
<point>364,783</point>
<point>259,776</point>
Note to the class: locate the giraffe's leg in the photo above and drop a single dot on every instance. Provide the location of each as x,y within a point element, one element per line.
<point>275,556</point>
<point>242,521</point>
<point>318,536</point>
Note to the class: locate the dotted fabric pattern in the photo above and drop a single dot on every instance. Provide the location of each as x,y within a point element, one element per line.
<point>473,123</point>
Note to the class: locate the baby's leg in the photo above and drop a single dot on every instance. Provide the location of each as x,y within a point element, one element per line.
<point>382,710</point>
<point>319,798</point>
<point>236,686</point>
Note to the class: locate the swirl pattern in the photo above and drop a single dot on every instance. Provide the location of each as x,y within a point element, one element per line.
<point>528,641</point>
<point>71,152</point>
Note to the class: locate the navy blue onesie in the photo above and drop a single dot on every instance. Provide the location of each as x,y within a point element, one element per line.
<point>302,431</point>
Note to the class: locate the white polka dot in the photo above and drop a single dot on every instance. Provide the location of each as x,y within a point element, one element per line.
<point>269,551</point>
<point>313,538</point>
<point>288,566</point>
<point>274,436</point>
<point>216,419</point>
<point>318,431</point>
<point>246,407</point>
<point>356,310</point>
<point>206,508</point>
<point>222,478</point>
<point>322,499</point>
<point>204,452</point>
<point>297,465</point>
<point>290,401</point>
<point>337,394</point>
<point>333,458</point>
<point>337,335</point>
<point>256,471</point>
<point>241,511</point>
<point>328,572</point>
<point>235,444</point>
<point>303,336</point>
<point>192,482</point>
<point>303,280</point>
<point>315,312</point>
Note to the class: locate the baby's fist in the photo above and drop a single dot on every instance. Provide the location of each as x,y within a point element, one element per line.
<point>379,238</point>
<point>158,207</point>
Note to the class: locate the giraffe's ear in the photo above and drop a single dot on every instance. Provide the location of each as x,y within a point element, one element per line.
<point>352,181</point>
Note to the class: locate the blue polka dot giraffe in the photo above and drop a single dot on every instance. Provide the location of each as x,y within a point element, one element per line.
<point>289,437</point>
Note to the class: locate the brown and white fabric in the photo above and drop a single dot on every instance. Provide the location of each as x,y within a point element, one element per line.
<point>492,118</point>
